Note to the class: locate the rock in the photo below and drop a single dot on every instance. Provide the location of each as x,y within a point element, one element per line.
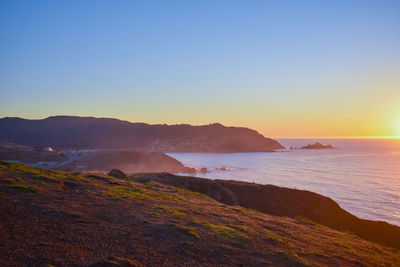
<point>117,173</point>
<point>189,170</point>
<point>317,145</point>
<point>203,170</point>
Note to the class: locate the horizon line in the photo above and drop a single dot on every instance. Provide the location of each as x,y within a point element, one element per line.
<point>341,137</point>
<point>259,131</point>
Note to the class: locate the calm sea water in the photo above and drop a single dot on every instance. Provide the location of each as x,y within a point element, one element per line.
<point>363,176</point>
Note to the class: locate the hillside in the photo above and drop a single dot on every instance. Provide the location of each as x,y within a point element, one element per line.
<point>282,201</point>
<point>67,132</point>
<point>127,161</point>
<point>94,160</point>
<point>59,218</point>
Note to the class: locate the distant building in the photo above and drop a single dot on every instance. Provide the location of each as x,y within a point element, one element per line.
<point>49,149</point>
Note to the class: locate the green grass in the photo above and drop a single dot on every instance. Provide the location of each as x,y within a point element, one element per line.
<point>225,232</point>
<point>9,180</point>
<point>123,192</point>
<point>170,210</point>
<point>26,188</point>
<point>305,220</point>
<point>188,192</point>
<point>190,230</point>
<point>294,257</point>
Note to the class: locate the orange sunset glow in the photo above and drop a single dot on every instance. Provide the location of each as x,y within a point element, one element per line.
<point>199,133</point>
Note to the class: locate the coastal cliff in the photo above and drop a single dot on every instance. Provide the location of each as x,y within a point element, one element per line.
<point>62,218</point>
<point>282,201</point>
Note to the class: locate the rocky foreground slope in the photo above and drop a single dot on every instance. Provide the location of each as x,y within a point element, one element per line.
<point>283,202</point>
<point>59,218</point>
<point>68,132</point>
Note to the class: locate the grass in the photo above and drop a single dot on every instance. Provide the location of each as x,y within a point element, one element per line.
<point>294,257</point>
<point>188,192</point>
<point>124,192</point>
<point>305,220</point>
<point>197,219</point>
<point>26,188</point>
<point>170,210</point>
<point>226,232</point>
<point>9,180</point>
<point>190,230</point>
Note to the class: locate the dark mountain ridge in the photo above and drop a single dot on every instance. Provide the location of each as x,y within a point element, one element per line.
<point>70,132</point>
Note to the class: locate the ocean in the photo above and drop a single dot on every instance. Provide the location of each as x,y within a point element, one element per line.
<point>362,175</point>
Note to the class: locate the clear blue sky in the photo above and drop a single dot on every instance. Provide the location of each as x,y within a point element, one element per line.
<point>286,68</point>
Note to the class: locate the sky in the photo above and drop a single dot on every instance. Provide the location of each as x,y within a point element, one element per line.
<point>285,68</point>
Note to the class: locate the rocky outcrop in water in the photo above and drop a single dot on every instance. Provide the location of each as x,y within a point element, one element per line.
<point>317,145</point>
